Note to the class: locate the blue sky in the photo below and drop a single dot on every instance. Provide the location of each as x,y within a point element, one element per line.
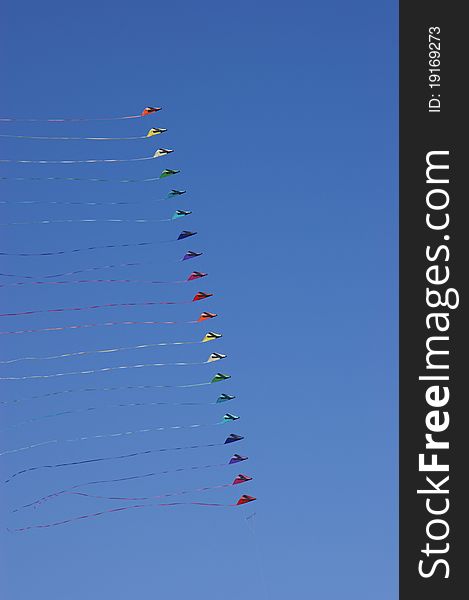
<point>284,121</point>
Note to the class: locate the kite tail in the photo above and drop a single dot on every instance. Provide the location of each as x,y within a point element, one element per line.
<point>115,510</point>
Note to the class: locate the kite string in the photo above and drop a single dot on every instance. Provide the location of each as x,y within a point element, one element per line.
<point>258,557</point>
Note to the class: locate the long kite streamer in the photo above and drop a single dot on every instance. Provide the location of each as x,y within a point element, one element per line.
<point>146,111</point>
<point>221,398</point>
<point>66,273</point>
<point>84,203</point>
<point>182,235</point>
<point>108,324</point>
<point>232,461</point>
<point>177,214</point>
<point>165,173</point>
<point>109,305</point>
<point>188,255</point>
<point>237,481</point>
<point>158,153</point>
<point>116,388</point>
<point>108,435</point>
<point>122,456</point>
<point>213,357</point>
<point>208,337</point>
<point>243,500</point>
<point>153,131</point>
<point>194,275</point>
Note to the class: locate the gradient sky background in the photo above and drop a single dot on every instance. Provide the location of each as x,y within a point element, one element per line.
<point>284,120</point>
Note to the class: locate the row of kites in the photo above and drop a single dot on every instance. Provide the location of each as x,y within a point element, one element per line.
<point>118,467</point>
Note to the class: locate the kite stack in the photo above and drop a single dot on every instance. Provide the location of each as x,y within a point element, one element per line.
<point>107,392</point>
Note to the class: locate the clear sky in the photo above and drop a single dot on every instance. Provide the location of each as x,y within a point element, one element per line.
<point>283,116</point>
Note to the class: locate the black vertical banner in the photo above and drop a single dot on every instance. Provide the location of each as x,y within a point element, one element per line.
<point>434,257</point>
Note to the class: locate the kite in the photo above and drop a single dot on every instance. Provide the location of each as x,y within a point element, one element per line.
<point>190,254</point>
<point>211,358</point>
<point>215,356</point>
<point>153,131</point>
<point>146,111</point>
<point>206,315</point>
<point>183,235</point>
<point>168,173</point>
<point>115,457</point>
<point>175,193</point>
<point>220,377</point>
<point>181,213</point>
<point>211,336</point>
<point>106,435</point>
<point>196,275</point>
<point>149,110</point>
<point>245,499</point>
<point>162,152</point>
<point>236,458</point>
<point>109,351</point>
<point>242,479</point>
<point>201,296</point>
<point>233,438</point>
<point>122,479</point>
<point>225,398</point>
<point>230,417</point>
